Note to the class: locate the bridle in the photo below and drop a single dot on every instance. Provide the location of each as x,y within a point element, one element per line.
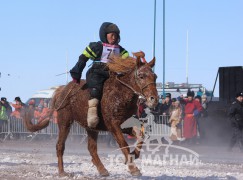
<point>136,79</point>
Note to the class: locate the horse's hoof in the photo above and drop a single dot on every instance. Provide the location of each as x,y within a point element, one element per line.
<point>104,173</point>
<point>136,172</point>
<point>65,174</point>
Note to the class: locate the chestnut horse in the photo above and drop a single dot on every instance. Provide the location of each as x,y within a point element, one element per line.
<point>129,78</point>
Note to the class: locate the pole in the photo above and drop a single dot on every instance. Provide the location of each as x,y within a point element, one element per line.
<point>187,59</point>
<point>164,48</point>
<point>154,31</point>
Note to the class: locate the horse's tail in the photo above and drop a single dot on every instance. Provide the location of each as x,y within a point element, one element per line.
<point>44,121</point>
<point>28,116</point>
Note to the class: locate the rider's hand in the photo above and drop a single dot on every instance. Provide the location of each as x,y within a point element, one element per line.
<point>76,80</point>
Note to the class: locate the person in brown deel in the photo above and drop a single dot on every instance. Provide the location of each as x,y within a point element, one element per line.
<point>100,53</point>
<point>175,118</point>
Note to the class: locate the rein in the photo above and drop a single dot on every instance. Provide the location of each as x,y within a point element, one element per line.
<point>60,106</point>
<point>135,92</point>
<point>127,85</point>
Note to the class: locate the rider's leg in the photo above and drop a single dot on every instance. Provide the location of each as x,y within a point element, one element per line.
<point>96,77</point>
<point>92,116</point>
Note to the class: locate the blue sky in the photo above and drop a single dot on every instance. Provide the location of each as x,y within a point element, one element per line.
<point>36,37</point>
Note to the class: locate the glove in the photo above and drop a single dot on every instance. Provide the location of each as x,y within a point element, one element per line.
<point>76,80</point>
<point>196,113</point>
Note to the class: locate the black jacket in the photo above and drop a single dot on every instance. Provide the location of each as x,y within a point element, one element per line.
<point>92,51</point>
<point>236,112</point>
<point>8,107</point>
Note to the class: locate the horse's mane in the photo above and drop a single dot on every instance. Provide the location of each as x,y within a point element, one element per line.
<point>120,65</point>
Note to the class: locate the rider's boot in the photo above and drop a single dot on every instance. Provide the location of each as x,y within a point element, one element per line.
<point>92,116</point>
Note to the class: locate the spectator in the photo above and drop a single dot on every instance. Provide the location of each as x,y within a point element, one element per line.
<point>32,104</point>
<point>41,103</point>
<point>166,105</point>
<point>18,106</point>
<point>6,104</point>
<point>192,110</point>
<point>172,106</point>
<point>157,111</point>
<point>141,108</point>
<point>204,113</point>
<point>3,117</point>
<point>236,119</point>
<point>37,113</point>
<point>44,111</point>
<point>175,120</point>
<point>16,123</point>
<point>201,119</point>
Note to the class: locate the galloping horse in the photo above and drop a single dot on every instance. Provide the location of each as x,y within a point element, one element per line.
<point>129,78</point>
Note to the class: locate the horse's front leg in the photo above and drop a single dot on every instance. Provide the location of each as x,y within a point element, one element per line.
<point>92,147</point>
<point>135,131</point>
<point>129,158</point>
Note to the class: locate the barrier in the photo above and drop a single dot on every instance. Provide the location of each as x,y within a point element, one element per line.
<point>5,129</point>
<point>15,128</point>
<point>159,129</point>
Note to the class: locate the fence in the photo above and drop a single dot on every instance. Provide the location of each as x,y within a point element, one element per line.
<point>15,128</point>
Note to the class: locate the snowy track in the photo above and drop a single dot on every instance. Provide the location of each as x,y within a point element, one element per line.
<point>37,160</point>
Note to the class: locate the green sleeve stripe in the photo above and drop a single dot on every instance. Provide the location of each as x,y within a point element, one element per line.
<point>92,52</point>
<point>124,54</point>
<point>124,51</point>
<point>87,54</point>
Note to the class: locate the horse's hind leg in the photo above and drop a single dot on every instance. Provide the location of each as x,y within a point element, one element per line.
<point>92,146</point>
<point>64,128</point>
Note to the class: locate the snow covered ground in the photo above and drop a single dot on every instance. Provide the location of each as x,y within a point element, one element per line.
<point>37,160</point>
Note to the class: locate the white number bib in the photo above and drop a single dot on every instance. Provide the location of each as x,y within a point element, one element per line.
<point>108,50</point>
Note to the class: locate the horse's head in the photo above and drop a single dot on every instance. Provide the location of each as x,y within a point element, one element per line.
<point>145,79</point>
<point>137,76</point>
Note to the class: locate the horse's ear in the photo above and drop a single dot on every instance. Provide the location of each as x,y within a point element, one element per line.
<point>152,63</point>
<point>138,56</point>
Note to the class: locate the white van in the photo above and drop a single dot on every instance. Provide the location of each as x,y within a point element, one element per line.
<point>45,94</point>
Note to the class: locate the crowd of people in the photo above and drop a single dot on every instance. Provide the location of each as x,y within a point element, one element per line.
<point>12,112</point>
<point>176,108</point>
<point>186,116</point>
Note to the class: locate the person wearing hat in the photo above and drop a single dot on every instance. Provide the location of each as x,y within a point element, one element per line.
<point>17,99</point>
<point>236,118</point>
<point>157,111</point>
<point>6,104</point>
<point>99,52</point>
<point>166,104</point>
<point>191,110</point>
<point>18,106</point>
